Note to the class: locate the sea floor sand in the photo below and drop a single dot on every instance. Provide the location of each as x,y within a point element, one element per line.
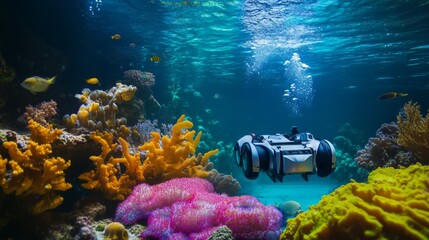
<point>293,188</point>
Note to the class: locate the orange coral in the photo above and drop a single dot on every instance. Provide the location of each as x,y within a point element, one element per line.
<point>33,172</point>
<point>173,157</point>
<point>106,175</point>
<point>413,132</point>
<point>166,158</point>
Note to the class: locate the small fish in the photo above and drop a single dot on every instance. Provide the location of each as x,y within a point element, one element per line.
<point>391,95</point>
<point>37,84</point>
<point>155,58</point>
<point>350,87</point>
<point>116,37</point>
<point>217,96</point>
<point>93,81</point>
<point>133,45</point>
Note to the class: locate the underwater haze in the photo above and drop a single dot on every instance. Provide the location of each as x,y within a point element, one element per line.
<point>233,67</point>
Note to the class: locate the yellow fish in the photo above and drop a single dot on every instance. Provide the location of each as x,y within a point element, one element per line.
<point>391,95</point>
<point>93,81</point>
<point>37,84</point>
<point>155,58</point>
<point>116,37</point>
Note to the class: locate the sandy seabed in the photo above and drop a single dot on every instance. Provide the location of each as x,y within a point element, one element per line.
<point>293,187</point>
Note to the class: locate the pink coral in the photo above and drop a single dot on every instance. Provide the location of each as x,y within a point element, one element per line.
<point>41,113</point>
<point>188,208</point>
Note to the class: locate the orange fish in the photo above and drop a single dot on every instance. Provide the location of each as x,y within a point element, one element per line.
<point>391,95</point>
<point>93,81</point>
<point>155,58</point>
<point>116,37</point>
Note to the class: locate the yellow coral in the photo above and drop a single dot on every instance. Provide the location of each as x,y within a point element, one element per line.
<point>413,132</point>
<point>394,204</point>
<point>166,158</point>
<point>174,157</point>
<point>99,110</point>
<point>105,177</point>
<point>33,173</point>
<point>124,92</point>
<point>115,231</point>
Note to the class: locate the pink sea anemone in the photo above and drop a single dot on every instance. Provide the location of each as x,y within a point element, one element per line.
<point>188,208</point>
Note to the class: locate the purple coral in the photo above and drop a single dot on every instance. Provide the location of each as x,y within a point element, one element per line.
<point>139,78</point>
<point>188,208</point>
<point>383,150</point>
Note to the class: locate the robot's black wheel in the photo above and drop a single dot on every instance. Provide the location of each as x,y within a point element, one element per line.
<point>324,159</point>
<point>237,155</point>
<point>247,162</point>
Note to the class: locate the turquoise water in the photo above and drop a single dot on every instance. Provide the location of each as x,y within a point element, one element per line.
<point>236,49</point>
<point>233,67</point>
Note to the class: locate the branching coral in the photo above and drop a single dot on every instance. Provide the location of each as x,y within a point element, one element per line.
<point>173,157</point>
<point>413,132</point>
<point>394,204</point>
<point>33,173</point>
<point>384,151</point>
<point>105,177</point>
<point>168,158</point>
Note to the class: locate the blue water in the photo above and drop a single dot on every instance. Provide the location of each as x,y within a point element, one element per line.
<point>226,61</point>
<point>236,49</point>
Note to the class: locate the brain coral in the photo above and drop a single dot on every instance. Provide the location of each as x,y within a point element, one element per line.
<point>394,204</point>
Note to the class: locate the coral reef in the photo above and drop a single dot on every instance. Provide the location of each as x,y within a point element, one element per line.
<point>413,131</point>
<point>392,205</point>
<point>33,173</point>
<point>384,151</point>
<point>141,131</point>
<point>173,157</point>
<point>139,78</point>
<point>346,166</point>
<point>105,177</point>
<point>115,231</point>
<point>166,158</point>
<point>99,110</point>
<point>221,233</point>
<point>42,113</point>
<point>77,224</point>
<point>224,183</point>
<point>345,145</point>
<point>143,80</point>
<point>188,207</point>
